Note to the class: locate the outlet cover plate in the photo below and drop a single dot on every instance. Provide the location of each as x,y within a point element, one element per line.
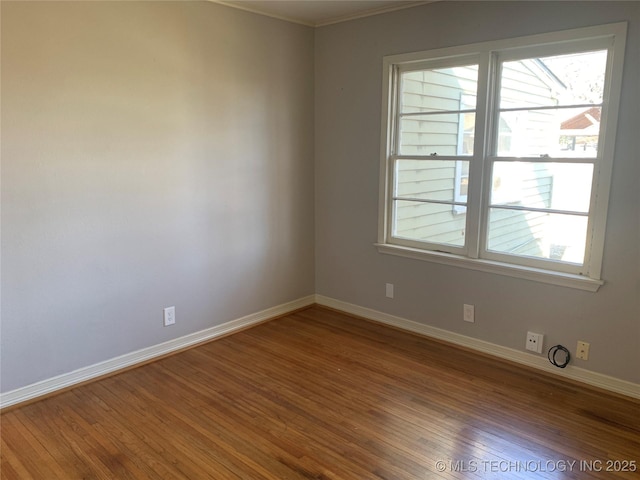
<point>582,350</point>
<point>534,342</point>
<point>468,313</point>
<point>389,290</point>
<point>169,315</point>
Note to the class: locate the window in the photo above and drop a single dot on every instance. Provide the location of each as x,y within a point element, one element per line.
<point>498,156</point>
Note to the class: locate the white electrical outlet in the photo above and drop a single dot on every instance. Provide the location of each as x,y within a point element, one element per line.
<point>389,290</point>
<point>169,316</point>
<point>468,313</point>
<point>534,342</point>
<point>582,350</point>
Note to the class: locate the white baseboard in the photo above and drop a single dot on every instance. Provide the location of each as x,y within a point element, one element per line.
<point>75,377</point>
<point>541,363</point>
<point>60,382</point>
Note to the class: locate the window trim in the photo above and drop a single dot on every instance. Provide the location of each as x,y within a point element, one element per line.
<point>549,43</point>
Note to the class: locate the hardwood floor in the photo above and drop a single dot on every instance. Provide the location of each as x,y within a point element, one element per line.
<point>319,394</point>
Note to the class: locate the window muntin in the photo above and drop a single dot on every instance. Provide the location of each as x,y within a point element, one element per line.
<point>564,135</point>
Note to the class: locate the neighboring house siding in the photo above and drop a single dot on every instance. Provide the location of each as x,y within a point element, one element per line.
<point>426,91</point>
<point>521,232</point>
<point>444,134</point>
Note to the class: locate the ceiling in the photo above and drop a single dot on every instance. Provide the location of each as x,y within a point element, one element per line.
<point>320,12</point>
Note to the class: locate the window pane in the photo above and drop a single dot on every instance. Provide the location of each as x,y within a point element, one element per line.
<point>550,81</point>
<point>444,181</point>
<point>558,186</point>
<point>429,222</point>
<point>442,89</point>
<point>542,235</point>
<point>558,133</point>
<point>448,134</point>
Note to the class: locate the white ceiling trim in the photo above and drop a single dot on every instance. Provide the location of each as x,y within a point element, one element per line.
<point>374,11</point>
<point>330,21</point>
<point>253,10</point>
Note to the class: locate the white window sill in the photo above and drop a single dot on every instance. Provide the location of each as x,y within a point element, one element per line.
<point>534,274</point>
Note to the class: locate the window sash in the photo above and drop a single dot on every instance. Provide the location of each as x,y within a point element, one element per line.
<point>394,198</point>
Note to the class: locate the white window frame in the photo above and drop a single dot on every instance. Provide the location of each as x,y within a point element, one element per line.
<point>474,255</point>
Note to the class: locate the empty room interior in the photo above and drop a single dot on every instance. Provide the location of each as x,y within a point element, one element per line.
<point>310,239</point>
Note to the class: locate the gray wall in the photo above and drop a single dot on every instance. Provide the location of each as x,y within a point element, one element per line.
<point>161,153</point>
<point>153,154</point>
<point>349,268</point>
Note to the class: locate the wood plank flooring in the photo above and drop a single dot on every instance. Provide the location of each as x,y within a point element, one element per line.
<point>322,395</point>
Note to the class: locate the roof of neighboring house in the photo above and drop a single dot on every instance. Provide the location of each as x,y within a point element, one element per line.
<point>583,120</point>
